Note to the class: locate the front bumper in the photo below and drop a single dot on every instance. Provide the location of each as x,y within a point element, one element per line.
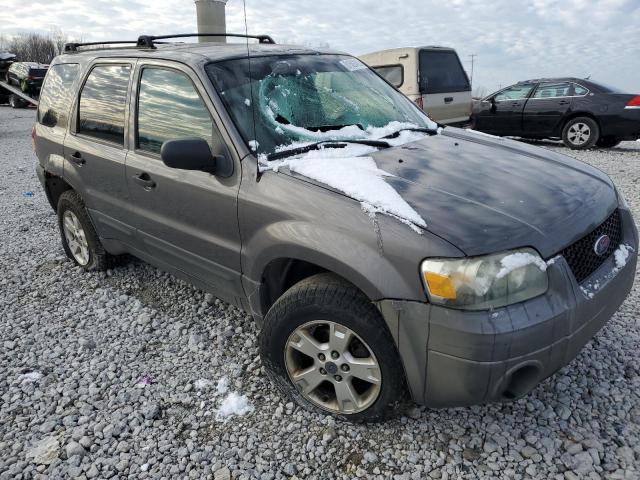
<point>458,358</point>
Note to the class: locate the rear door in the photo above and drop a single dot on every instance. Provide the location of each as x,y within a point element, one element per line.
<point>186,220</point>
<point>546,108</point>
<point>95,148</point>
<point>501,114</point>
<point>444,85</point>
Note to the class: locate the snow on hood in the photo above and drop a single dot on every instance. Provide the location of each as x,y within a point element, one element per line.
<point>352,172</point>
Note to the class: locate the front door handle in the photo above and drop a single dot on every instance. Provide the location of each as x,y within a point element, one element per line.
<point>563,102</point>
<point>144,180</point>
<point>76,158</point>
<point>448,99</point>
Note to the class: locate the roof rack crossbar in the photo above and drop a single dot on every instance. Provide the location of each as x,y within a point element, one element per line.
<point>146,41</point>
<point>73,47</point>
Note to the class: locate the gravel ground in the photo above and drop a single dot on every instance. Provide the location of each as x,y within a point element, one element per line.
<point>116,374</point>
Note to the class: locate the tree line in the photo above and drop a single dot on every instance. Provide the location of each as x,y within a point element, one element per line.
<point>34,47</point>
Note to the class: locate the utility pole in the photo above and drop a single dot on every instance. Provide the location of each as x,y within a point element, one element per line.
<point>211,19</point>
<point>473,57</point>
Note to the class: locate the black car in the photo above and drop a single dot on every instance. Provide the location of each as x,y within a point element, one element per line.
<point>580,112</point>
<point>28,76</point>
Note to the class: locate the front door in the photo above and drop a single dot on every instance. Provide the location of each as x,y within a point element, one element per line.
<point>502,113</point>
<point>546,108</point>
<point>186,220</point>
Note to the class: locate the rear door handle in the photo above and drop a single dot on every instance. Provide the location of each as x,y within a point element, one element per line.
<point>144,180</point>
<point>448,99</point>
<point>76,158</point>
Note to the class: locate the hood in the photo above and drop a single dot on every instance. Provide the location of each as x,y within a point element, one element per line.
<point>486,194</point>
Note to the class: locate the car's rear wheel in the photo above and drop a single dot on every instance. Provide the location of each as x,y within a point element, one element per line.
<point>580,133</point>
<point>325,345</point>
<point>608,142</point>
<point>79,238</point>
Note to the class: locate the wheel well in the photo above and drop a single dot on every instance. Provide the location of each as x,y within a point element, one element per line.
<point>55,186</point>
<point>282,274</point>
<point>579,114</point>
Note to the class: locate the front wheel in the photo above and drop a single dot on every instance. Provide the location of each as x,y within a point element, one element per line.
<point>16,102</point>
<point>608,142</point>
<point>326,346</point>
<point>580,133</point>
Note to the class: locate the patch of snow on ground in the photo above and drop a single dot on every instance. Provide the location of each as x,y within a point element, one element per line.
<point>223,386</point>
<point>357,176</point>
<point>202,384</point>
<point>518,260</point>
<point>234,404</point>
<point>30,377</point>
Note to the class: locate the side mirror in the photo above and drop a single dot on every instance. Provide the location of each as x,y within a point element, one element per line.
<point>195,154</point>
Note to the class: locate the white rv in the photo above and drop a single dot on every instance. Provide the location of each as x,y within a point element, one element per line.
<point>433,77</point>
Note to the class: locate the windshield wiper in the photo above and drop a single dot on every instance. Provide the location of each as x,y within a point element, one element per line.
<point>325,143</point>
<point>430,131</point>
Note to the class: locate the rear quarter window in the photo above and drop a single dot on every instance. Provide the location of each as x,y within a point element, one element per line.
<point>57,95</point>
<point>442,72</point>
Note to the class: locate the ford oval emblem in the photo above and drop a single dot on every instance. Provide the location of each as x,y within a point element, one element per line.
<point>602,245</point>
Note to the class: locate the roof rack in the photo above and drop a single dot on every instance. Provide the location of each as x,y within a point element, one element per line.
<point>147,41</point>
<point>73,47</point>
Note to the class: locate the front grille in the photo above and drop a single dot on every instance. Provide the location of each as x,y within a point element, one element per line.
<point>581,255</point>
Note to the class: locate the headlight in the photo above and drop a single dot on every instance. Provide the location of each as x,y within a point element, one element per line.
<point>482,283</point>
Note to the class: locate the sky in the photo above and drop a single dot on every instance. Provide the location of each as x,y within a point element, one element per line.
<point>513,40</point>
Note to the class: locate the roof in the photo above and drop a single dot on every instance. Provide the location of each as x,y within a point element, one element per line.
<point>555,79</point>
<point>193,52</point>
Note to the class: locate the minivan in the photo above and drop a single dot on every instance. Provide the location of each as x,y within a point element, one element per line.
<point>433,77</point>
<point>382,256</point>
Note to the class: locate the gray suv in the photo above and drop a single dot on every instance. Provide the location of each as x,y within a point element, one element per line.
<point>382,255</point>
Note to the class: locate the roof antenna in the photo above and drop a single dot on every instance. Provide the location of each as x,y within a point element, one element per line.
<point>588,77</point>
<point>254,143</point>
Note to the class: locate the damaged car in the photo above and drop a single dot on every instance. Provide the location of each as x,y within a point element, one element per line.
<point>383,256</point>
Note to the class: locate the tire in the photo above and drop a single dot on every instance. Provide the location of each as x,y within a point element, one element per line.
<point>70,207</point>
<point>608,142</point>
<point>327,299</point>
<point>580,133</point>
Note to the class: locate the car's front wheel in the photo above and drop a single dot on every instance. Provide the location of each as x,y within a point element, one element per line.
<point>79,238</point>
<point>16,102</point>
<point>325,345</point>
<point>608,142</point>
<point>580,133</point>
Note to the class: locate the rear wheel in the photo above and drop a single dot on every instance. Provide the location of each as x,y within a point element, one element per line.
<point>79,239</point>
<point>608,142</point>
<point>325,346</point>
<point>580,133</point>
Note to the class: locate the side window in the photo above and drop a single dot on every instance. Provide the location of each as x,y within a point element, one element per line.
<point>102,103</point>
<point>169,108</point>
<point>516,92</point>
<point>394,74</point>
<point>579,90</point>
<point>551,90</point>
<point>57,95</point>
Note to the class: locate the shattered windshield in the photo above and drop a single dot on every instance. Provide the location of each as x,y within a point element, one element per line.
<point>285,101</point>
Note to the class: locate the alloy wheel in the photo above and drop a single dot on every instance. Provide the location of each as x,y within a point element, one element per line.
<point>76,238</point>
<point>332,367</point>
<point>579,133</point>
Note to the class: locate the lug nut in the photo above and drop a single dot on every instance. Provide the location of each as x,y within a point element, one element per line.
<point>322,357</point>
<point>345,367</point>
<point>334,354</point>
<point>323,371</point>
<point>338,378</point>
